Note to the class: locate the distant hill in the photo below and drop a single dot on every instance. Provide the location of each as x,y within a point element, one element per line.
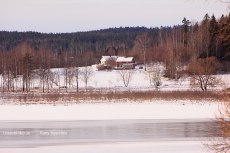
<point>77,42</point>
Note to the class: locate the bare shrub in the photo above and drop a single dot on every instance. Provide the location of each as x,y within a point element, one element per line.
<point>154,78</point>
<point>113,96</point>
<point>111,62</point>
<point>100,67</point>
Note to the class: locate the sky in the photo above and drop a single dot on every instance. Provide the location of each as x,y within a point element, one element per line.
<point>60,16</point>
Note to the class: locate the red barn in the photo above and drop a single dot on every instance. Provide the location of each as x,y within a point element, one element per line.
<point>125,62</point>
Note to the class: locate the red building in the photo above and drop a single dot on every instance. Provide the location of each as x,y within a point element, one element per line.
<point>125,62</point>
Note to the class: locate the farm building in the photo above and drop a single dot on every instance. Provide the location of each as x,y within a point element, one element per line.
<point>125,62</point>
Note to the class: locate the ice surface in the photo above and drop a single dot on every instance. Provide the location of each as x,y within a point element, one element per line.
<point>134,147</point>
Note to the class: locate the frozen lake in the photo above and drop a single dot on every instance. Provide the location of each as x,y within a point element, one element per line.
<point>26,134</point>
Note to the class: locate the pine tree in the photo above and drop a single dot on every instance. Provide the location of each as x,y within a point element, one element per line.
<point>224,32</point>
<point>213,33</point>
<point>205,37</point>
<point>185,30</point>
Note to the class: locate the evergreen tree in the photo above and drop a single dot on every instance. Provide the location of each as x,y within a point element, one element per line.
<point>224,32</point>
<point>205,20</point>
<point>213,36</point>
<point>185,30</point>
<point>205,37</point>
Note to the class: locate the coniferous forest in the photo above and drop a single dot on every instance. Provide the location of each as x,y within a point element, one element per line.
<point>23,52</point>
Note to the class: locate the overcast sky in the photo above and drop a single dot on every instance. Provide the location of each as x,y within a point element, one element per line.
<point>85,15</point>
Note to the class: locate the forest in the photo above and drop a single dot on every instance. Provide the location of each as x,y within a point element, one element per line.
<point>23,52</point>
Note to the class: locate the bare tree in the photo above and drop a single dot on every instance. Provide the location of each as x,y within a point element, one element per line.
<point>125,76</point>
<point>77,73</point>
<point>86,73</point>
<point>42,76</point>
<point>44,71</point>
<point>65,72</point>
<point>203,71</point>
<point>2,70</point>
<point>52,78</point>
<point>70,75</point>
<point>34,78</point>
<point>27,71</point>
<point>4,78</point>
<point>170,61</point>
<point>143,42</point>
<point>176,50</point>
<point>49,79</point>
<point>56,79</point>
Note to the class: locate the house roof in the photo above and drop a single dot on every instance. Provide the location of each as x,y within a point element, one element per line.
<point>108,57</point>
<point>124,59</point>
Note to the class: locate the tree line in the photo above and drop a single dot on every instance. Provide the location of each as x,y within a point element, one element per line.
<point>177,46</point>
<point>23,53</point>
<point>76,43</point>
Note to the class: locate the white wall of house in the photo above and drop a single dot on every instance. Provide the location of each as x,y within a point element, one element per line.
<point>105,58</point>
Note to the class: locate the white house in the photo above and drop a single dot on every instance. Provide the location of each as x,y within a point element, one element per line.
<point>105,58</point>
